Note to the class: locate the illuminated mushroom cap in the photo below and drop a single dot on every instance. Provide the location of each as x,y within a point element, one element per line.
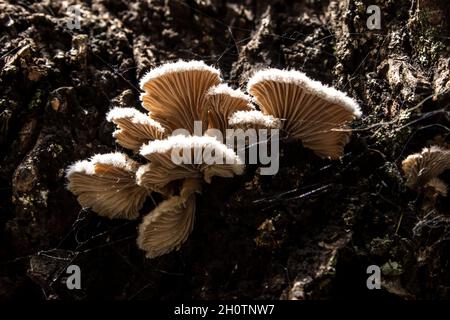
<point>223,101</point>
<point>193,155</point>
<point>168,226</point>
<point>253,119</point>
<point>106,183</point>
<point>134,128</point>
<point>175,93</point>
<point>312,112</point>
<point>420,168</point>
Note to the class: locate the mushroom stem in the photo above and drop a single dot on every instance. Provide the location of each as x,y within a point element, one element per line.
<point>189,187</point>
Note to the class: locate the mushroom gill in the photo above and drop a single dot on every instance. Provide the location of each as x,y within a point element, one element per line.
<point>312,112</point>
<point>196,157</point>
<point>175,93</point>
<point>422,169</point>
<point>106,183</point>
<point>168,226</point>
<point>223,101</point>
<point>436,187</point>
<point>134,128</point>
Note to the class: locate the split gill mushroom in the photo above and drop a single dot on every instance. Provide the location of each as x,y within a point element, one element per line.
<point>311,112</point>
<point>169,224</point>
<point>176,95</point>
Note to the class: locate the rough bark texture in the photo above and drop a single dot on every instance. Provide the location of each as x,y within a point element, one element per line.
<point>309,232</point>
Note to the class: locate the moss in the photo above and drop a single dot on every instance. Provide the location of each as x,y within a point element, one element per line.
<point>380,246</point>
<point>10,70</point>
<point>392,171</point>
<point>427,35</point>
<point>58,148</point>
<point>55,149</point>
<point>36,101</point>
<point>392,268</point>
<point>271,234</point>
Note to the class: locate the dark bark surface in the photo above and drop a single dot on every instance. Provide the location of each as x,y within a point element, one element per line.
<point>309,232</point>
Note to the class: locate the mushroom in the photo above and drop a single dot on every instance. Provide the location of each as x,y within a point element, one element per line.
<point>422,169</point>
<point>312,112</point>
<point>436,187</point>
<point>224,101</point>
<point>218,160</point>
<point>106,183</point>
<point>253,119</point>
<point>168,225</point>
<point>135,128</point>
<point>175,93</point>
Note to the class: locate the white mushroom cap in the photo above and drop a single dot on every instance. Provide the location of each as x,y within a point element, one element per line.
<point>226,90</point>
<point>253,119</point>
<point>176,67</point>
<point>223,102</point>
<point>312,112</point>
<point>175,93</point>
<point>135,128</point>
<point>160,152</point>
<point>314,87</point>
<point>106,183</point>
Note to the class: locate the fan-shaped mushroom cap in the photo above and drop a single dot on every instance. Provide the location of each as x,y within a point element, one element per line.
<point>135,128</point>
<point>175,93</point>
<point>253,119</point>
<point>160,153</point>
<point>157,176</point>
<point>312,112</point>
<point>106,183</point>
<point>420,168</point>
<point>436,187</point>
<point>223,102</point>
<point>167,227</point>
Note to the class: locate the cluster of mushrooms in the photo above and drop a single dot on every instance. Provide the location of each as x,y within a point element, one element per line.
<point>177,94</point>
